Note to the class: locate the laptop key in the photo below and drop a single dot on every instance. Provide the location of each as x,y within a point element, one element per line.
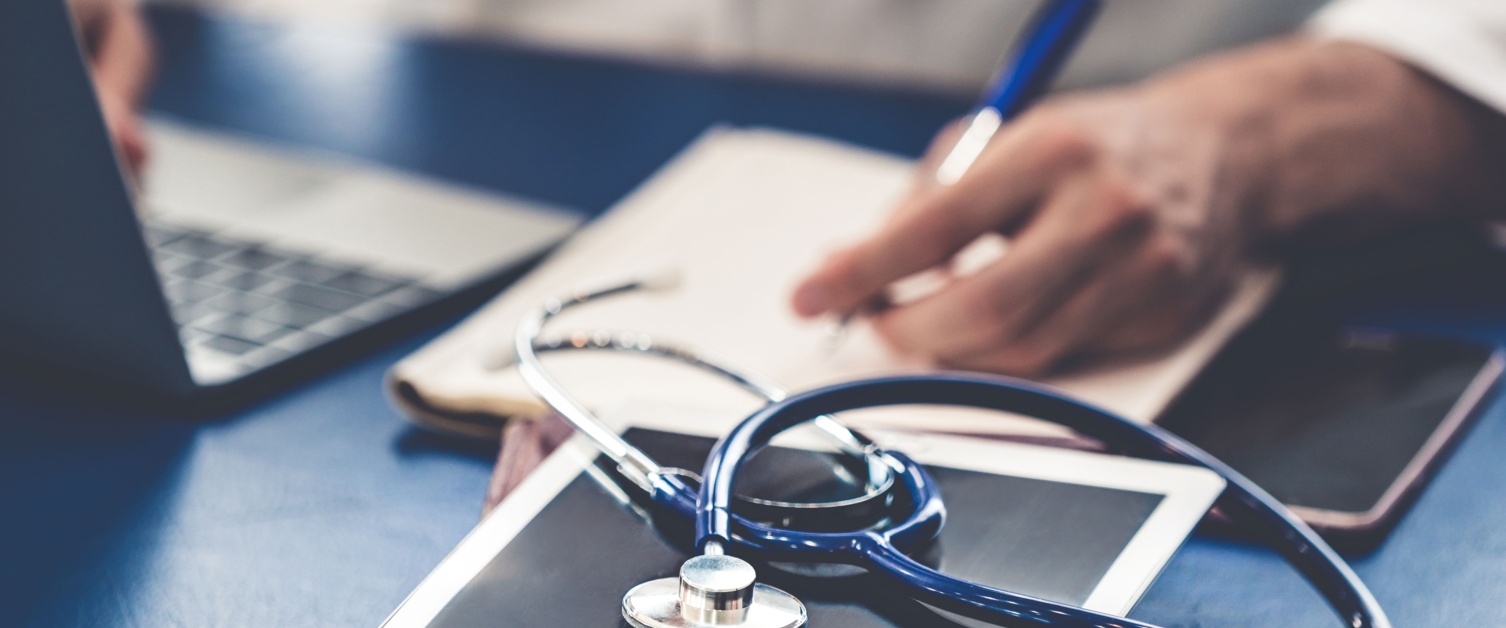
<point>254,258</point>
<point>158,235</point>
<point>318,296</point>
<point>293,315</point>
<point>190,291</point>
<point>309,270</point>
<point>247,280</point>
<point>241,302</point>
<point>187,313</point>
<point>189,335</point>
<point>198,244</point>
<point>168,262</point>
<point>232,346</point>
<point>249,329</point>
<point>365,283</point>
<point>199,269</point>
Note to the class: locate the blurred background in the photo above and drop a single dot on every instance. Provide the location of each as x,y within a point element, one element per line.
<point>932,45</point>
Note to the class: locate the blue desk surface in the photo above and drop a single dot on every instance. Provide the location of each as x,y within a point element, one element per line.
<point>322,507</point>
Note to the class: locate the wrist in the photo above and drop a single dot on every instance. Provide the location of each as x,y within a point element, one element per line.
<point>1336,141</point>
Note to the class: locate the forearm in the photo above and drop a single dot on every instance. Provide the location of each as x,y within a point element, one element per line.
<point>1338,141</point>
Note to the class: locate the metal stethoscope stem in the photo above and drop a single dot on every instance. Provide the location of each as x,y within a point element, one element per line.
<point>713,589</point>
<point>633,463</point>
<point>638,466</point>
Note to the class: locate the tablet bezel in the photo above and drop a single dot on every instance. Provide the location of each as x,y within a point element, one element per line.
<point>1188,493</point>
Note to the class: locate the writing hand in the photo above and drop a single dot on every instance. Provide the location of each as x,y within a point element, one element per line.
<point>1131,212</point>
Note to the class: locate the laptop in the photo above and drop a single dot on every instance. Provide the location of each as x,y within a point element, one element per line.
<point>234,259</point>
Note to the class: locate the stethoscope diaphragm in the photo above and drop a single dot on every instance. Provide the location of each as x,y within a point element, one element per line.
<point>712,591</point>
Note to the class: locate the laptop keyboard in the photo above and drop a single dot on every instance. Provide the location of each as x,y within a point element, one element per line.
<point>241,305</point>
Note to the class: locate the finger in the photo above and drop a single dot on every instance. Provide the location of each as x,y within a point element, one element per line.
<point>89,17</point>
<point>134,147</point>
<point>125,131</point>
<point>1050,261</point>
<point>1122,291</point>
<point>1173,321</point>
<point>1009,179</point>
<point>122,56</point>
<point>525,444</point>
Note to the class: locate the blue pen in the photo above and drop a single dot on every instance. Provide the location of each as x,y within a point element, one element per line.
<point>1046,44</point>
<point>1026,75</point>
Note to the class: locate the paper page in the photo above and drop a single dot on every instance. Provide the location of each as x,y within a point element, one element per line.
<point>742,216</point>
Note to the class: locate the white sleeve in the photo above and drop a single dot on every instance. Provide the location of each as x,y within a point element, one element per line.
<point>1462,42</point>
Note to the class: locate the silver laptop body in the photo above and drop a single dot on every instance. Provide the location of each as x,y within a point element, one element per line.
<point>233,258</point>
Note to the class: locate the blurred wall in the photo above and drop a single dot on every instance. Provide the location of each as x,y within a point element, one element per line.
<point>947,45</point>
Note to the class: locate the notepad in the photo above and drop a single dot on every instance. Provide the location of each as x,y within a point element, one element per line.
<point>741,215</point>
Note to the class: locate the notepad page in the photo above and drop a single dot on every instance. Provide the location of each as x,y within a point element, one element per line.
<point>742,216</point>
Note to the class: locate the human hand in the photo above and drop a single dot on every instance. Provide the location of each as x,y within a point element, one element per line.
<point>1131,212</point>
<point>1109,200</point>
<point>120,62</point>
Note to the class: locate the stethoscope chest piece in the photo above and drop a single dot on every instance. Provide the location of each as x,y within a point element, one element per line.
<point>712,591</point>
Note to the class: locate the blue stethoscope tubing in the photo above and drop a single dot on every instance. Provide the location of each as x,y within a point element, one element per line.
<point>883,550</point>
<point>1244,502</point>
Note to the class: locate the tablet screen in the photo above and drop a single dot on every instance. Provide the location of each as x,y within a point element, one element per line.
<point>570,564</point>
<point>1335,422</point>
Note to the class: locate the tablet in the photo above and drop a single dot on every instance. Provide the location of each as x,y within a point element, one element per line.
<point>1344,426</point>
<point>1075,527</point>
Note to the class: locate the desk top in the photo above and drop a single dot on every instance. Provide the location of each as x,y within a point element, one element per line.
<point>323,507</point>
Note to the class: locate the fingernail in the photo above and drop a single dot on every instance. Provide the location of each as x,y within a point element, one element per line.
<point>811,299</point>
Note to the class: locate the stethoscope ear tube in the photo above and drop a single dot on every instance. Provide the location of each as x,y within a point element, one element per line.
<point>640,469</point>
<point>1244,502</point>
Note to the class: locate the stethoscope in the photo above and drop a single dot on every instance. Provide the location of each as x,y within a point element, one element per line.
<point>715,588</point>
